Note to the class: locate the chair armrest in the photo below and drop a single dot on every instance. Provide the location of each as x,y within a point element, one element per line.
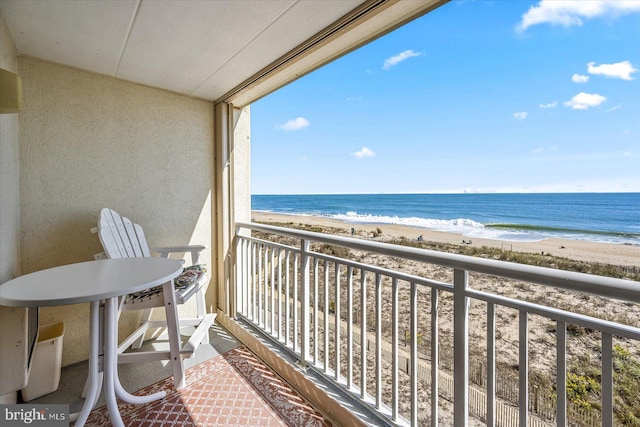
<point>193,249</point>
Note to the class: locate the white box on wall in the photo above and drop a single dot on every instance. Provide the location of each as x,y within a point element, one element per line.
<point>14,351</point>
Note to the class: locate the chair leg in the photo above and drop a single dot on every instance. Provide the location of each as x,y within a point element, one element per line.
<point>173,331</point>
<point>146,315</point>
<point>202,311</point>
<point>200,303</point>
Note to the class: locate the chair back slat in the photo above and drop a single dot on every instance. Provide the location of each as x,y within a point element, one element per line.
<point>143,241</point>
<point>109,236</point>
<point>119,236</point>
<point>131,235</point>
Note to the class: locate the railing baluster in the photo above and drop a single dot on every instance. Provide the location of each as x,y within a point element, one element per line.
<point>326,315</point>
<point>523,369</point>
<point>245,284</point>
<point>491,364</point>
<point>254,306</point>
<point>378,341</point>
<point>349,327</point>
<point>394,346</point>
<point>279,294</point>
<point>239,278</point>
<point>273,291</point>
<point>316,263</point>
<point>461,347</point>
<point>304,304</point>
<point>237,297</point>
<point>287,310</point>
<point>561,374</point>
<point>363,334</point>
<point>413,301</point>
<point>296,311</point>
<point>435,358</point>
<point>266,287</point>
<point>607,380</point>
<point>338,322</point>
<point>260,296</point>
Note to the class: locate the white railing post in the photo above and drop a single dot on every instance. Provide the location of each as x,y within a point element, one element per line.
<point>378,341</point>
<point>338,321</point>
<point>491,365</point>
<point>435,349</point>
<point>607,380</point>
<point>363,333</point>
<point>326,316</point>
<point>523,369</point>
<point>413,324</point>
<point>237,296</point>
<point>460,348</point>
<point>561,374</point>
<point>304,264</point>
<point>394,349</point>
<point>349,327</point>
<point>316,264</point>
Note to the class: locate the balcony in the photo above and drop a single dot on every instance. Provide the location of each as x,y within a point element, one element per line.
<point>435,349</point>
<point>299,300</point>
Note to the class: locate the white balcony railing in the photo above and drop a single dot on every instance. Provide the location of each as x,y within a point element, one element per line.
<point>364,327</point>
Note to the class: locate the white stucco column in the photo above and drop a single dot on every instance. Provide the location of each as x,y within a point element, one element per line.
<point>233,192</point>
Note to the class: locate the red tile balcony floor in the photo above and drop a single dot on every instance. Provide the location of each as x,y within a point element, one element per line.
<point>232,389</point>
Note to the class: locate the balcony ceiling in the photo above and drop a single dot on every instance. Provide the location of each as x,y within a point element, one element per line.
<point>202,49</point>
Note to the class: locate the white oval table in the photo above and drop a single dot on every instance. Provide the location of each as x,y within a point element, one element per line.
<point>94,282</point>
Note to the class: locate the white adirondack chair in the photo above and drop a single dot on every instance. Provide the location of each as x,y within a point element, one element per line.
<point>121,238</point>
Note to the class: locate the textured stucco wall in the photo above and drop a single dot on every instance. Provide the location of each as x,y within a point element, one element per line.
<point>89,141</point>
<point>9,170</point>
<point>13,328</point>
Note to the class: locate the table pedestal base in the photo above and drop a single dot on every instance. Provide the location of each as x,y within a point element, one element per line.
<point>106,376</point>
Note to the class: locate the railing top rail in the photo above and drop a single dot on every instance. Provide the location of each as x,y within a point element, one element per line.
<point>621,289</point>
<point>613,328</point>
<point>359,265</point>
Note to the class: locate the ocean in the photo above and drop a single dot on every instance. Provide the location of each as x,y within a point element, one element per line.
<point>598,217</point>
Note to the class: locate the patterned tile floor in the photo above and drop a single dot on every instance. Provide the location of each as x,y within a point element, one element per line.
<point>233,389</point>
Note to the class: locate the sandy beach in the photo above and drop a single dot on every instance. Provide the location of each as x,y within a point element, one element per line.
<point>606,253</point>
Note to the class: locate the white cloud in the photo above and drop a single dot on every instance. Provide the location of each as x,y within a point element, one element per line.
<point>579,78</point>
<point>619,70</point>
<point>395,60</point>
<point>582,101</point>
<point>543,150</point>
<point>296,124</point>
<point>521,115</point>
<point>365,152</point>
<point>553,104</point>
<point>569,12</point>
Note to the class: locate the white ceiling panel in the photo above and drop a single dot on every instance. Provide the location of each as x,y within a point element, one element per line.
<point>179,45</point>
<point>301,22</point>
<point>83,34</point>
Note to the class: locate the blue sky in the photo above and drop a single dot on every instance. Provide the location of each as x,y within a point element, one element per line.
<point>476,96</point>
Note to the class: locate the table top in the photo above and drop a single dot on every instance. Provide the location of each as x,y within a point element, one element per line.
<point>88,281</point>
